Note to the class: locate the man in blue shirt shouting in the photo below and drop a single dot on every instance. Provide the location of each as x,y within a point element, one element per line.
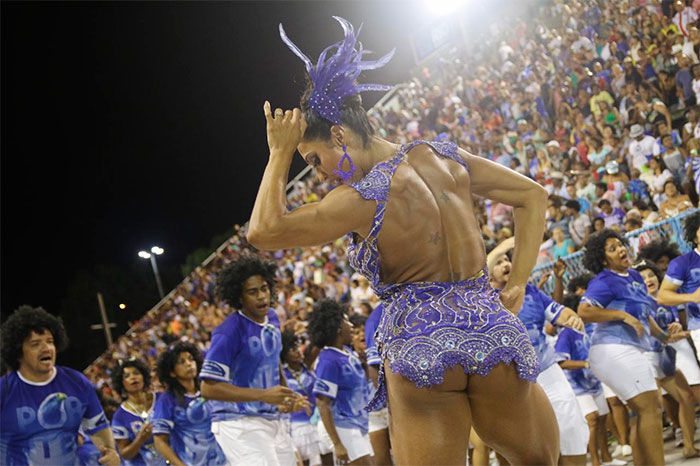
<point>42,406</point>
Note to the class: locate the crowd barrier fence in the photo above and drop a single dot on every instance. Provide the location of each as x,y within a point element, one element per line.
<point>670,229</point>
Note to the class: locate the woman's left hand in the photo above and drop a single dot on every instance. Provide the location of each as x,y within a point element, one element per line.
<point>283,130</point>
<point>512,298</point>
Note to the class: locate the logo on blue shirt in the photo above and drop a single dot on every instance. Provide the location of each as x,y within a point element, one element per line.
<point>57,410</point>
<point>197,411</point>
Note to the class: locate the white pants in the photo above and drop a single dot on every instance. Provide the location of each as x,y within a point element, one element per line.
<point>573,428</point>
<point>592,403</point>
<point>305,438</point>
<point>379,420</point>
<point>355,443</point>
<point>623,368</point>
<point>255,441</point>
<point>695,336</point>
<point>654,359</point>
<point>686,362</point>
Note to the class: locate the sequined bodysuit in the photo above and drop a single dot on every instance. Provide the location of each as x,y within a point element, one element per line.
<point>428,327</point>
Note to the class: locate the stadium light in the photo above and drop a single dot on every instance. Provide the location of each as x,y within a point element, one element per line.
<point>122,306</point>
<point>157,251</point>
<point>443,7</point>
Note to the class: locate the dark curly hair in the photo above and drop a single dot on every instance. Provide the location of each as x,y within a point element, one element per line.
<point>691,226</point>
<point>289,341</point>
<point>571,301</point>
<point>118,375</point>
<point>645,264</point>
<point>21,324</point>
<point>166,364</point>
<point>352,115</point>
<point>579,281</point>
<point>229,282</point>
<point>657,249</point>
<point>594,250</point>
<point>325,322</point>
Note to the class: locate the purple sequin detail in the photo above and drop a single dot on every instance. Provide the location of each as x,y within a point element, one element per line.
<point>336,77</point>
<point>427,328</point>
<point>430,327</point>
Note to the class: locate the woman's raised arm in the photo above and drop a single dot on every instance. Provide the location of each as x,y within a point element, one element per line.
<point>273,227</point>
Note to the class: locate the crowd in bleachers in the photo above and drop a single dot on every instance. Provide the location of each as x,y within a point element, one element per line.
<point>595,100</point>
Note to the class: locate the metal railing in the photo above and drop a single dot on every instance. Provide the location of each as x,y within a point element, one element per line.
<point>670,229</point>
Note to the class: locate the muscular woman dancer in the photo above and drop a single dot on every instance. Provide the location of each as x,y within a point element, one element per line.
<point>453,355</point>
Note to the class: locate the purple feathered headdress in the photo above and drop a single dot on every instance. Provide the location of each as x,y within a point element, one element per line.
<point>334,78</point>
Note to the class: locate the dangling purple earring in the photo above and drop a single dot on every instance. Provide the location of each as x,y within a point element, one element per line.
<point>345,175</point>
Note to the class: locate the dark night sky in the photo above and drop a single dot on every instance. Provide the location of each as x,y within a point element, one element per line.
<point>131,124</point>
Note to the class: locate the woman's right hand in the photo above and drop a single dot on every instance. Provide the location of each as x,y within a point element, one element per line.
<point>145,432</point>
<point>633,322</point>
<point>283,130</point>
<point>341,454</point>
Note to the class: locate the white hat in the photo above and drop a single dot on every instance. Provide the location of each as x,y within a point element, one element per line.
<point>553,143</point>
<point>636,131</point>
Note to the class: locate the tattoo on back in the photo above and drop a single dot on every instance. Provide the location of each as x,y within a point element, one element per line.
<point>445,197</point>
<point>434,238</point>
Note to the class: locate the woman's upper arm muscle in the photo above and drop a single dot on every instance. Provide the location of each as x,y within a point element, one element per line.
<point>494,181</point>
<point>341,211</point>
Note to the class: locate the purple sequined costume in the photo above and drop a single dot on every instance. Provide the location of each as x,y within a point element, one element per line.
<point>428,327</point>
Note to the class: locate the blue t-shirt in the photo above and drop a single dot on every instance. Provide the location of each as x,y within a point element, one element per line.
<point>341,377</point>
<point>538,308</point>
<point>39,422</point>
<point>684,271</point>
<point>188,424</point>
<point>244,353</point>
<point>574,345</point>
<point>628,293</point>
<point>126,424</point>
<point>664,316</point>
<point>303,383</point>
<point>371,325</point>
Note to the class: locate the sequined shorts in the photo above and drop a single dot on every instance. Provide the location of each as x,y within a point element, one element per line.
<point>428,327</point>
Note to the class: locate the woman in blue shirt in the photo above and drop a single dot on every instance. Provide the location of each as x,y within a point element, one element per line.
<point>131,424</point>
<point>617,300</point>
<point>342,388</point>
<point>302,380</point>
<point>182,417</point>
<point>667,329</point>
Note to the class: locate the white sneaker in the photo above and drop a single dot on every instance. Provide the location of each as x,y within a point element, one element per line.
<point>626,450</point>
<point>617,451</point>
<point>679,438</point>
<point>614,462</point>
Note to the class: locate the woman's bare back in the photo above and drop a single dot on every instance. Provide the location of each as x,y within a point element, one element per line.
<point>430,232</point>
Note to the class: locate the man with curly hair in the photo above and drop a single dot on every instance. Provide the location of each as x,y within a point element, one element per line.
<point>242,370</point>
<point>681,285</point>
<point>42,405</point>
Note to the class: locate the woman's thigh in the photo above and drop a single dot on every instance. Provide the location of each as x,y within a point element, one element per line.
<point>429,425</point>
<point>514,416</point>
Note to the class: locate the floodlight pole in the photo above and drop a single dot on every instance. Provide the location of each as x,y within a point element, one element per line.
<point>157,274</point>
